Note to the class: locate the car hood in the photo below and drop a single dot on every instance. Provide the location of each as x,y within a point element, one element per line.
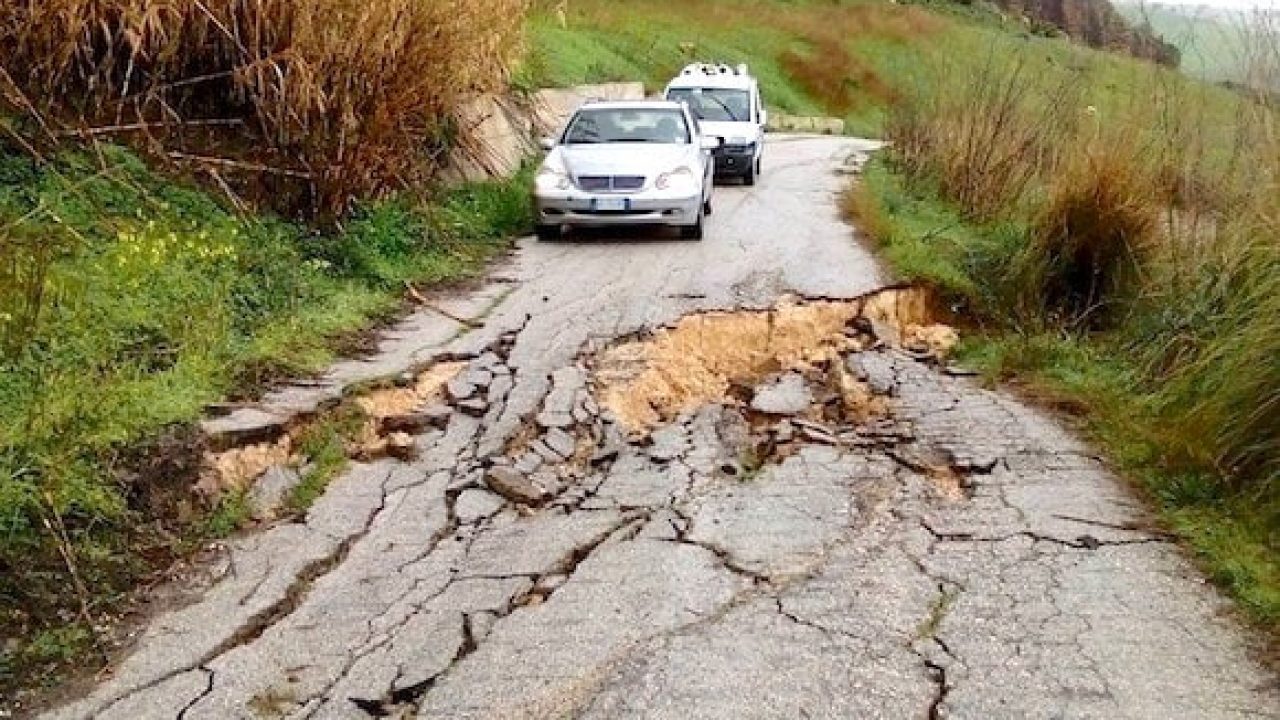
<point>729,131</point>
<point>646,159</point>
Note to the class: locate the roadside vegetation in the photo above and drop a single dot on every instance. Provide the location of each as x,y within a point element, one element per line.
<point>133,302</point>
<point>198,199</point>
<point>1118,251</point>
<point>310,104</point>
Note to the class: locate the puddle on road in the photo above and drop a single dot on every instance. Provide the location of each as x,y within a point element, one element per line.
<point>704,357</point>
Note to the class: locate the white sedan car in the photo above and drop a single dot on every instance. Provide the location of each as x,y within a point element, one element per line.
<point>626,163</point>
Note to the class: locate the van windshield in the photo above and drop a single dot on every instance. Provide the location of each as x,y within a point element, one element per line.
<point>715,104</point>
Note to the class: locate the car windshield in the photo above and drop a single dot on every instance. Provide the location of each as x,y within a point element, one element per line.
<point>715,104</point>
<point>628,125</point>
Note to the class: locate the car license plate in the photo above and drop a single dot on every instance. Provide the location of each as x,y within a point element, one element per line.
<point>611,204</point>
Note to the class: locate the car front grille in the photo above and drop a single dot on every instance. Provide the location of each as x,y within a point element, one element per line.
<point>610,183</point>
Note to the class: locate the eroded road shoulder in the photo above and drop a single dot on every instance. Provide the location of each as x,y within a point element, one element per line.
<point>708,480</point>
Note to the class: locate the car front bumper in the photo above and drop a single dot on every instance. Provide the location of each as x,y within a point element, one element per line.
<point>580,209</point>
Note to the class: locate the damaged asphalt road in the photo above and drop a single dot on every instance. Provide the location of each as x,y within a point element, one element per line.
<point>857,534</point>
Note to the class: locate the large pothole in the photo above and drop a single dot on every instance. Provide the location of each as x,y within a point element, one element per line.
<point>723,356</point>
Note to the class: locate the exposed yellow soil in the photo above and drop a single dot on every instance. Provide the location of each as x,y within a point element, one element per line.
<point>703,356</point>
<point>236,469</point>
<point>859,402</point>
<point>428,387</point>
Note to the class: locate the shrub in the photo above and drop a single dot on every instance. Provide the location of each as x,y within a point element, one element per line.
<point>327,99</point>
<point>1091,232</point>
<point>1151,215</point>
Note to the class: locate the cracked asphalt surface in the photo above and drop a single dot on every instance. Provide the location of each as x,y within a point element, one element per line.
<point>661,579</point>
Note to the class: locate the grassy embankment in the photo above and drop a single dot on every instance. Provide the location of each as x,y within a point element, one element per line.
<point>159,301</point>
<point>130,299</point>
<point>1112,230</point>
<point>1107,227</point>
<point>812,58</point>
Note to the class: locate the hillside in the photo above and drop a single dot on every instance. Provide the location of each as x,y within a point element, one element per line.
<point>1096,23</point>
<point>1217,44</point>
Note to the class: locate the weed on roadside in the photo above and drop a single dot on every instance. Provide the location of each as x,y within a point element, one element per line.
<point>153,302</point>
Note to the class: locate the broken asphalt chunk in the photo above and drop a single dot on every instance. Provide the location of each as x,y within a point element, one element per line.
<point>400,445</point>
<point>474,407</point>
<point>475,504</point>
<point>244,426</point>
<point>815,432</point>
<point>270,490</point>
<point>560,442</point>
<point>547,420</point>
<point>876,370</point>
<point>529,462</point>
<point>514,485</point>
<point>437,415</point>
<point>458,389</point>
<point>787,395</point>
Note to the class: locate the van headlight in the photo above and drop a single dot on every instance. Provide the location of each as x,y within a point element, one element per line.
<point>681,178</point>
<point>551,178</point>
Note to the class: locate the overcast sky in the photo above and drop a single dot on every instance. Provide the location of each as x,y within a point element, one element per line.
<point>1222,4</point>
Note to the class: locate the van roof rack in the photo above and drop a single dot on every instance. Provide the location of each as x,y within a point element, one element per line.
<point>715,69</point>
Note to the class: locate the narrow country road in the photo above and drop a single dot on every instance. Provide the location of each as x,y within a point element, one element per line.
<point>944,552</point>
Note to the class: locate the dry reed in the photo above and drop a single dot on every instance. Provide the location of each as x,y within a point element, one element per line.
<point>355,97</point>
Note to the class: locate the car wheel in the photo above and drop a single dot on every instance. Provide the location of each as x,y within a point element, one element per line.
<point>692,232</point>
<point>547,233</point>
<point>706,206</point>
<point>749,177</point>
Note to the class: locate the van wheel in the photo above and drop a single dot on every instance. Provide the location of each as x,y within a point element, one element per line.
<point>547,233</point>
<point>706,206</point>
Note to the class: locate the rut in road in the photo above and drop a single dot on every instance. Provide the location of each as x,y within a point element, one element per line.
<point>855,531</point>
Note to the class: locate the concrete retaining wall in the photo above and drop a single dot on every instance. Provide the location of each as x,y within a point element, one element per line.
<point>497,133</point>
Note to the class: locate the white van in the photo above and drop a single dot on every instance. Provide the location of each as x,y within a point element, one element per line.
<point>726,101</point>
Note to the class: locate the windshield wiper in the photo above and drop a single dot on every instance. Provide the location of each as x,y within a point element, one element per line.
<point>727,110</point>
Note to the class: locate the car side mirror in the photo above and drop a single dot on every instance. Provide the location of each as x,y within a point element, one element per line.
<point>546,143</point>
<point>710,142</point>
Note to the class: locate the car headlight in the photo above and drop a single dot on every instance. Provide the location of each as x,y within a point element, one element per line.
<point>551,177</point>
<point>680,178</point>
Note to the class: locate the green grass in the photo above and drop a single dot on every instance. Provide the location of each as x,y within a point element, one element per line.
<point>324,444</point>
<point>156,301</point>
<point>607,41</point>
<point>892,49</point>
<point>1096,377</point>
<point>643,46</point>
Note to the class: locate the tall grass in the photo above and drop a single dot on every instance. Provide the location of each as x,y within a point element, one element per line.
<point>1153,214</point>
<point>353,98</point>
